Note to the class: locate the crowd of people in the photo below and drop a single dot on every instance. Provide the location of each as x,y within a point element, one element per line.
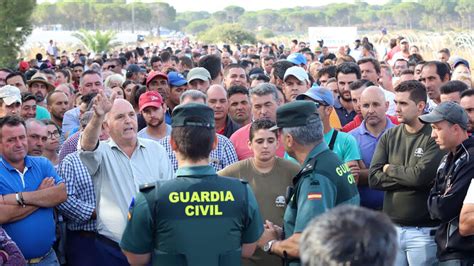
<point>197,154</point>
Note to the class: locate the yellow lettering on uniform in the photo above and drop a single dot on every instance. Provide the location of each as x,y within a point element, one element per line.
<point>195,197</point>
<point>229,196</point>
<point>217,212</point>
<point>205,196</point>
<point>189,210</point>
<point>350,179</point>
<point>184,197</point>
<point>339,171</point>
<point>174,197</point>
<point>204,209</point>
<point>214,196</point>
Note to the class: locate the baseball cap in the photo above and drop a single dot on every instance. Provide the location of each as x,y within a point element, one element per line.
<point>198,73</point>
<point>460,61</point>
<point>40,78</point>
<point>318,49</point>
<point>318,94</point>
<point>297,59</point>
<point>155,74</point>
<point>449,111</point>
<point>176,79</point>
<point>132,68</point>
<point>193,114</point>
<point>297,72</point>
<point>296,114</point>
<point>10,94</point>
<point>150,98</point>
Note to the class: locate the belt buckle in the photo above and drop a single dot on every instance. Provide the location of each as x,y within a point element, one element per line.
<point>35,260</point>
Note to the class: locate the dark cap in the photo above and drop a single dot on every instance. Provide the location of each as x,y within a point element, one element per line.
<point>296,114</point>
<point>132,68</point>
<point>449,111</point>
<point>460,61</point>
<point>193,114</point>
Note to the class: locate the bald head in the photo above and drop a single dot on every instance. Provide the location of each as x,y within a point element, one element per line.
<point>217,100</point>
<point>374,91</point>
<point>121,122</point>
<point>373,107</point>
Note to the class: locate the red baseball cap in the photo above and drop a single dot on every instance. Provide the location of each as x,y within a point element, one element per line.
<point>150,98</point>
<point>155,74</point>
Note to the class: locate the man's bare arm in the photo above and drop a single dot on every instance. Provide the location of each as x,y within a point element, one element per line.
<point>137,259</point>
<point>46,198</point>
<point>466,221</point>
<point>91,133</point>
<point>12,213</point>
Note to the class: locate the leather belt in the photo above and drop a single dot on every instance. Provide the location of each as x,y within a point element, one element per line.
<point>39,259</point>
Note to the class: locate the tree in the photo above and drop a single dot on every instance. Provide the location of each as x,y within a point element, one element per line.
<point>228,33</point>
<point>234,12</point>
<point>15,27</point>
<point>198,26</point>
<point>163,15</point>
<point>465,8</point>
<point>97,42</point>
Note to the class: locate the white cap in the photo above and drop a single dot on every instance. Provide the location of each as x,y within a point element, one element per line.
<point>10,94</point>
<point>297,72</point>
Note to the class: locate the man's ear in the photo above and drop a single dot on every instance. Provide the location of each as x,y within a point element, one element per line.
<point>174,147</point>
<point>216,141</point>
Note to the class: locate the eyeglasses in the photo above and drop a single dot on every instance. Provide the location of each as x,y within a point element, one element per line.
<point>111,67</point>
<point>54,134</point>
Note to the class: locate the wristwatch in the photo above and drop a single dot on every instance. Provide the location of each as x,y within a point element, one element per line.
<point>268,246</point>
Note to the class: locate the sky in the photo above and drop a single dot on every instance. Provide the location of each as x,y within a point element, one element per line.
<point>250,5</point>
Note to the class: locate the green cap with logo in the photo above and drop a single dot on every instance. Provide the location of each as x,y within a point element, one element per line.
<point>193,114</point>
<point>296,114</point>
<point>449,111</point>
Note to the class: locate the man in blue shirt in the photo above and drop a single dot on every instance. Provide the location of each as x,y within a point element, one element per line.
<point>30,188</point>
<point>373,108</point>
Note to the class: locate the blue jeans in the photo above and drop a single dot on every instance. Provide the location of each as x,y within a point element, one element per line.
<point>416,246</point>
<point>50,260</point>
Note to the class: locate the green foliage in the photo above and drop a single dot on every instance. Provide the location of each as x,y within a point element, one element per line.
<point>97,42</point>
<point>15,27</point>
<point>394,14</point>
<point>228,33</point>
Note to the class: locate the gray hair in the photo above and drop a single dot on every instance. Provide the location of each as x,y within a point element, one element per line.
<point>194,94</point>
<point>349,235</point>
<point>265,89</point>
<point>113,78</point>
<point>31,121</point>
<point>308,134</point>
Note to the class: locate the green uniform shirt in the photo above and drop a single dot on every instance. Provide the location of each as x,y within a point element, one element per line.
<point>321,185</point>
<point>199,219</point>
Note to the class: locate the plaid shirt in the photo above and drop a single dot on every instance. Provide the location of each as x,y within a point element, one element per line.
<point>69,146</point>
<point>219,158</point>
<point>80,203</point>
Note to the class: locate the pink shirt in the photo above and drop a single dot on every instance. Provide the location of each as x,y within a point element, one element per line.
<point>240,140</point>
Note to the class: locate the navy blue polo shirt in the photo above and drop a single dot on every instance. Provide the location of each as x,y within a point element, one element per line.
<point>34,234</point>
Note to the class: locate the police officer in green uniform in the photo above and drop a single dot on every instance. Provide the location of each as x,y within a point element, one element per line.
<point>199,218</point>
<point>323,182</point>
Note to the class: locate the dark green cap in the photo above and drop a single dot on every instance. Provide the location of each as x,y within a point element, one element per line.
<point>296,114</point>
<point>193,114</point>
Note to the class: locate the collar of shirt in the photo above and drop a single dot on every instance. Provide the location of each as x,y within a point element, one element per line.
<point>11,168</point>
<point>195,171</point>
<point>363,129</point>
<point>316,151</point>
<point>113,144</point>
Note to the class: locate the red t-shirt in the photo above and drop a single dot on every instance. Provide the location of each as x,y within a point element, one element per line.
<point>358,120</point>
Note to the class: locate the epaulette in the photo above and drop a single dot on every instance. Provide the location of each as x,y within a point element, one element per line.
<point>147,187</point>
<point>309,166</point>
<point>244,181</point>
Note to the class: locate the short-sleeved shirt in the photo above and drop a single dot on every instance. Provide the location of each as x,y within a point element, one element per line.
<point>199,215</point>
<point>117,177</point>
<point>240,140</point>
<point>34,234</point>
<point>320,187</point>
<point>370,198</point>
<point>143,134</point>
<point>345,146</point>
<point>344,115</point>
<point>42,113</point>
<point>270,191</point>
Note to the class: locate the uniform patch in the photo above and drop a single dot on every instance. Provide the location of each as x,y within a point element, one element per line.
<point>315,196</point>
<point>280,202</point>
<point>130,208</point>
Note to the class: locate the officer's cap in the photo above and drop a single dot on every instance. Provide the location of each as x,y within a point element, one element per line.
<point>193,114</point>
<point>296,114</point>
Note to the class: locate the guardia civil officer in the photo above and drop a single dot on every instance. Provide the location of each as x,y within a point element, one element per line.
<point>199,218</point>
<point>323,182</point>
